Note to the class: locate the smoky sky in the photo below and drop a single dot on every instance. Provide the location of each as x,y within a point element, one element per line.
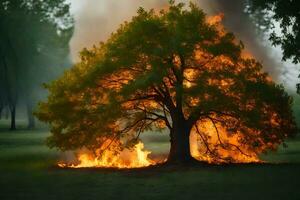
<point>95,20</point>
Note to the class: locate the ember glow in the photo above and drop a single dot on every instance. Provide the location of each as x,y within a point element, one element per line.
<point>136,157</point>
<point>218,146</point>
<point>203,148</point>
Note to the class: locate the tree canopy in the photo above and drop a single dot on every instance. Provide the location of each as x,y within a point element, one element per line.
<point>34,42</point>
<point>286,14</point>
<point>178,70</point>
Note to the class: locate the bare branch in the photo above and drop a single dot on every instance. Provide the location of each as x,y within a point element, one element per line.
<point>222,145</point>
<point>204,141</point>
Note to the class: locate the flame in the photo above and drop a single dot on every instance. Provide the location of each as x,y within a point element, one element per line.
<point>216,19</point>
<point>225,148</point>
<point>137,157</point>
<point>128,158</point>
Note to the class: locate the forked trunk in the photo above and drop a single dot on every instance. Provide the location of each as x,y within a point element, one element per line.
<point>180,143</point>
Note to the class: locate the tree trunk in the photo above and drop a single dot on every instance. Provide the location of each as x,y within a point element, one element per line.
<point>13,117</point>
<point>31,120</point>
<point>180,143</point>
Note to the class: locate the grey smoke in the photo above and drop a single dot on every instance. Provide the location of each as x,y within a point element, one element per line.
<point>96,19</point>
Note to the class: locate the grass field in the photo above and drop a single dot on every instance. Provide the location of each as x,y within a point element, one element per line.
<point>27,171</point>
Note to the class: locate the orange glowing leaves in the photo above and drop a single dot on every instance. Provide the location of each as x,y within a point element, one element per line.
<point>189,75</point>
<point>216,19</point>
<point>117,81</point>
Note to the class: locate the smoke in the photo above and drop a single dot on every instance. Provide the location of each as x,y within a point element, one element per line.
<point>238,22</point>
<point>95,20</point>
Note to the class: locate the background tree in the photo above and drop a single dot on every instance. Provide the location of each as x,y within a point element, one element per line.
<point>34,40</point>
<point>286,14</point>
<point>9,77</point>
<point>173,70</point>
<point>233,13</point>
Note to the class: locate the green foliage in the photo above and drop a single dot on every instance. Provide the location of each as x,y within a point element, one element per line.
<point>159,67</point>
<point>286,13</point>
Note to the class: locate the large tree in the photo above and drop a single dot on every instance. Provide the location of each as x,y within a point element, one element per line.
<point>34,39</point>
<point>176,70</point>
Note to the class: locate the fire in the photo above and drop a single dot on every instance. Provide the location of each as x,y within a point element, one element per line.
<point>203,148</point>
<point>136,157</point>
<point>212,147</point>
<point>216,19</point>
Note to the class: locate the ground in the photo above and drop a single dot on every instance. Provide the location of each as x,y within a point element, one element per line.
<point>28,171</point>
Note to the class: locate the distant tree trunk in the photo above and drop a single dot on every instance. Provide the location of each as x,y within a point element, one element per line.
<point>180,142</point>
<point>11,77</point>
<point>31,120</point>
<point>13,117</point>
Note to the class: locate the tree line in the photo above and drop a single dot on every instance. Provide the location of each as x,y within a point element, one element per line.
<point>34,48</point>
<point>35,35</point>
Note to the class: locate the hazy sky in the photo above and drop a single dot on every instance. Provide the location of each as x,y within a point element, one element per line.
<point>96,19</point>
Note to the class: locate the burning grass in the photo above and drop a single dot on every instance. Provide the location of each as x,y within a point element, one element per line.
<point>136,157</point>
<point>207,148</point>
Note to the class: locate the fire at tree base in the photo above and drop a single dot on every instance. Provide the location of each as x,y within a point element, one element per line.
<point>138,157</point>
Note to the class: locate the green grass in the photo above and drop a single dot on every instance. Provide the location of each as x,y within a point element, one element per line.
<point>27,171</point>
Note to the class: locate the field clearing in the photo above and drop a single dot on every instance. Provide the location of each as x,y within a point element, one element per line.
<point>28,172</point>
